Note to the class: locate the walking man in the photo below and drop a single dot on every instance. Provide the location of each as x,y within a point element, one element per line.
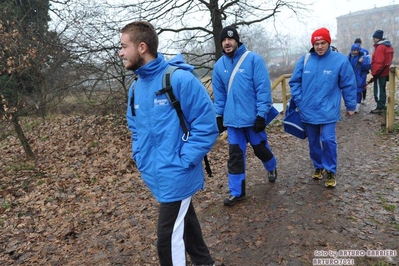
<point>317,86</point>
<point>242,94</point>
<point>170,166</point>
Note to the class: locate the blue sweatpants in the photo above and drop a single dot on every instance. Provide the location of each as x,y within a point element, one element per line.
<point>323,147</point>
<point>238,139</point>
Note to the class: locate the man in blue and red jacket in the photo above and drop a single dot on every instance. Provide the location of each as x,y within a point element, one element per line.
<point>380,63</point>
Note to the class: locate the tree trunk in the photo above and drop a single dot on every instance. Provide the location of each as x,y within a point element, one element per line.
<point>24,141</point>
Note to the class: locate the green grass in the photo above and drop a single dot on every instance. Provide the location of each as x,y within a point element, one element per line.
<point>93,144</point>
<point>385,205</point>
<point>20,167</point>
<point>6,205</point>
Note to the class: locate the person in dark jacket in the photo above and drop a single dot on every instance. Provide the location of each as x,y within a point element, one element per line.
<point>380,63</point>
<point>317,88</point>
<point>242,103</point>
<point>361,66</point>
<point>170,166</point>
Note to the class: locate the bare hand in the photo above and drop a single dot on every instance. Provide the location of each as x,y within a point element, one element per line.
<point>349,113</point>
<point>361,60</point>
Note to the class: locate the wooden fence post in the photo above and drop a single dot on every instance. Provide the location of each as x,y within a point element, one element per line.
<point>390,117</point>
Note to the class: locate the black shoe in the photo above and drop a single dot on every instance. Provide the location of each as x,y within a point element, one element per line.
<point>231,200</point>
<point>377,111</point>
<point>272,175</point>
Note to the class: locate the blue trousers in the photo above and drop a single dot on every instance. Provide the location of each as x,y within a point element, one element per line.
<point>323,147</point>
<point>238,139</point>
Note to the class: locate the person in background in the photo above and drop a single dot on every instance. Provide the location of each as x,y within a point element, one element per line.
<point>365,54</point>
<point>361,66</point>
<point>241,107</point>
<point>362,49</point>
<point>380,62</point>
<point>170,167</point>
<point>317,88</point>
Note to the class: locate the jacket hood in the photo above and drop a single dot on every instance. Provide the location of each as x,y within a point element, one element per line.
<point>355,46</point>
<point>384,42</point>
<point>178,61</point>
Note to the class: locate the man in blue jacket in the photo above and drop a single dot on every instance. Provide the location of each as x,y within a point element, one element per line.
<point>170,166</point>
<point>317,86</point>
<point>242,99</point>
<point>366,55</point>
<point>360,63</point>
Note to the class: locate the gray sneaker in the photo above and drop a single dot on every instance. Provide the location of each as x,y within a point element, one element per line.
<point>231,200</point>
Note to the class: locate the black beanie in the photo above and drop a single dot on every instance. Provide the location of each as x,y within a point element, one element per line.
<point>230,32</point>
<point>378,34</point>
<point>358,40</point>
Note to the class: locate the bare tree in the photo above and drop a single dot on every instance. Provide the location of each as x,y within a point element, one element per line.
<point>204,20</point>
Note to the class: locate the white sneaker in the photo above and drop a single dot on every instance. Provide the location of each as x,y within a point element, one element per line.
<point>357,108</point>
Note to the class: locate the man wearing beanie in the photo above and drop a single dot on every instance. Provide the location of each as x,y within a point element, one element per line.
<point>318,82</point>
<point>380,62</point>
<point>243,98</point>
<point>366,55</point>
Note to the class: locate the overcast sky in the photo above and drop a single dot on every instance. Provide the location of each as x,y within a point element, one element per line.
<point>324,14</point>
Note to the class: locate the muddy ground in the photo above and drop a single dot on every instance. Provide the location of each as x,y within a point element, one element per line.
<point>286,222</point>
<point>84,202</point>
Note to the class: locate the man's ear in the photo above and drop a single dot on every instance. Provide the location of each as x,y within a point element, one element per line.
<point>143,48</point>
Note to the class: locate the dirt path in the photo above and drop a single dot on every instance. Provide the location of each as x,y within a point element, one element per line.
<point>83,201</point>
<point>286,222</point>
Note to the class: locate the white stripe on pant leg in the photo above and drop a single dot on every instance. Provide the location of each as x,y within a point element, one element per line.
<point>178,247</point>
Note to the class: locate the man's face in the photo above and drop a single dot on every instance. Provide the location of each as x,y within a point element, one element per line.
<point>355,52</point>
<point>375,40</point>
<point>129,53</point>
<point>321,47</point>
<point>229,45</point>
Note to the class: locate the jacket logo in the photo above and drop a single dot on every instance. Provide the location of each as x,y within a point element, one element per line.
<point>159,102</point>
<point>327,72</point>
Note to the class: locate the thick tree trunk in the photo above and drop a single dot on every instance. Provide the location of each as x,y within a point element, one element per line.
<point>24,141</point>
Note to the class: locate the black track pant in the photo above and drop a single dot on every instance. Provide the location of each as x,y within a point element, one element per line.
<point>179,231</point>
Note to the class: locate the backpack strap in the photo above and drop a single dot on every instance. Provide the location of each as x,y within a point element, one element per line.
<point>132,98</point>
<point>168,90</point>
<point>306,59</point>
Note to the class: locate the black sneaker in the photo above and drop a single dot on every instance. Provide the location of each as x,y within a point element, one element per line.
<point>272,175</point>
<point>377,111</point>
<point>231,200</point>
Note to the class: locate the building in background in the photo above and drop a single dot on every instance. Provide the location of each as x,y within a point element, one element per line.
<point>362,24</point>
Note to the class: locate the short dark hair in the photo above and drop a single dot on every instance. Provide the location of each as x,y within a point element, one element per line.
<point>143,31</point>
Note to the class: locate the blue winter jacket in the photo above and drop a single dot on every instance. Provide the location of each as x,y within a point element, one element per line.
<point>170,167</point>
<point>361,69</point>
<point>250,94</point>
<point>317,87</point>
